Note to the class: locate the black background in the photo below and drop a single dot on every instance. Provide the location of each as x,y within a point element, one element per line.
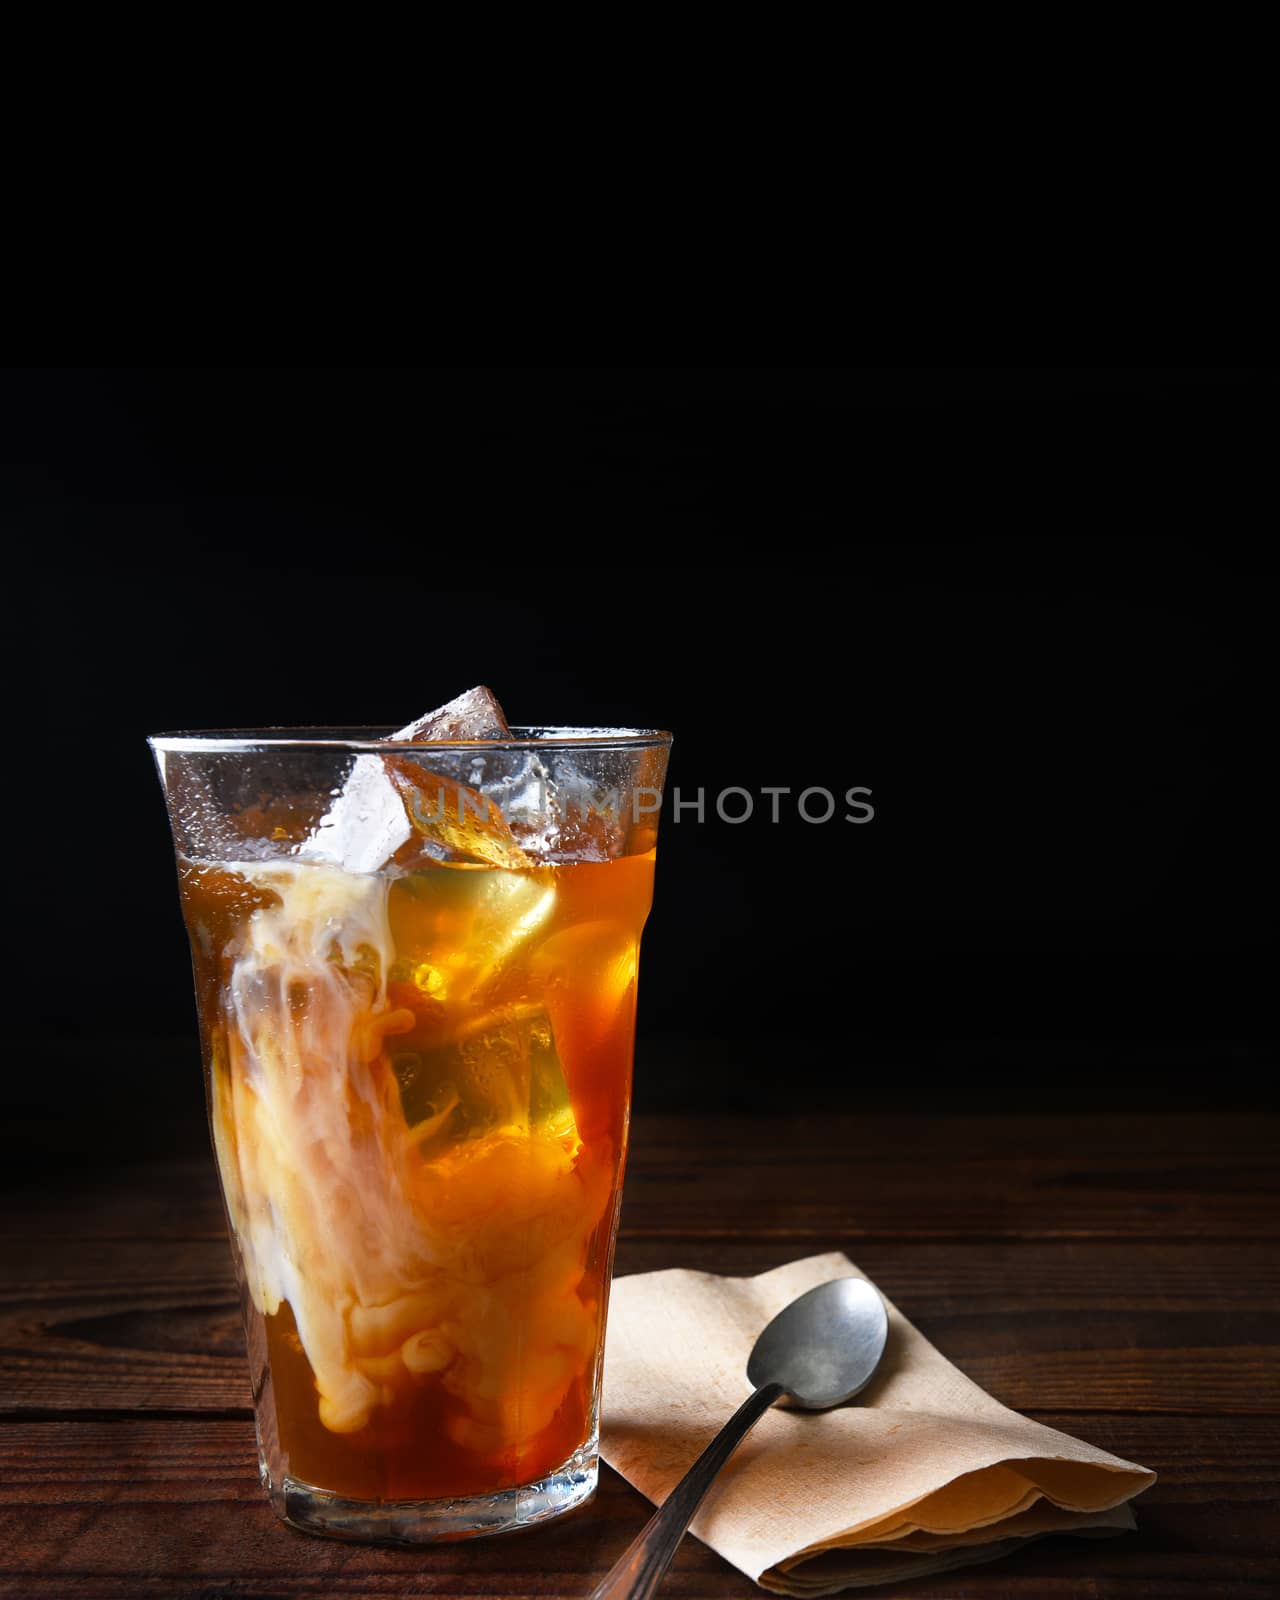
<point>1028,609</point>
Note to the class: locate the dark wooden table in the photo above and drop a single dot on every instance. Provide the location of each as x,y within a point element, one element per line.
<point>1116,1277</point>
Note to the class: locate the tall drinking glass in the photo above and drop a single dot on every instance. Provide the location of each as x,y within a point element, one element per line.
<point>415,970</point>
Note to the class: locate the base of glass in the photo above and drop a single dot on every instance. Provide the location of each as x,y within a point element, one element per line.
<point>313,1510</point>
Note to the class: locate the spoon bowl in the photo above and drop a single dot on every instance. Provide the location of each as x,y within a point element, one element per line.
<point>825,1347</point>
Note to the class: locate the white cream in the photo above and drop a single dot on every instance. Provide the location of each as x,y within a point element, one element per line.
<point>394,1267</point>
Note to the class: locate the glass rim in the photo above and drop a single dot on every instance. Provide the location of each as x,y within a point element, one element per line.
<point>371,740</point>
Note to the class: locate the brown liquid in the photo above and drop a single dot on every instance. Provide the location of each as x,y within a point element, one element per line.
<point>405,1452</point>
<point>428,1129</point>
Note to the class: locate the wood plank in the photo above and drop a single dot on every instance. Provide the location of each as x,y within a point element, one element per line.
<point>153,1325</point>
<point>955,1277</point>
<point>955,1177</point>
<point>796,1179</point>
<point>104,1511</point>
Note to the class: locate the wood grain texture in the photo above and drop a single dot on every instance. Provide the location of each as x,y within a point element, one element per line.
<point>1117,1277</point>
<point>177,1510</point>
<point>134,1326</point>
<point>795,1179</point>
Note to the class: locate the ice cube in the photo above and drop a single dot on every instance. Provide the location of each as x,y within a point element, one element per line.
<point>453,821</point>
<point>591,822</point>
<point>473,715</point>
<point>500,1074</point>
<point>384,801</point>
<point>366,824</point>
<point>556,812</point>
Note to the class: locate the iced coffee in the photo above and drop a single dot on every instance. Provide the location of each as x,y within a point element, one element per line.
<point>417,993</point>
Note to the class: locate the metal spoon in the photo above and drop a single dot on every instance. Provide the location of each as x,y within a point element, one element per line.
<point>819,1351</point>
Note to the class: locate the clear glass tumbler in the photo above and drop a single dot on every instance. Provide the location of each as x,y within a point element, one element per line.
<point>415,970</point>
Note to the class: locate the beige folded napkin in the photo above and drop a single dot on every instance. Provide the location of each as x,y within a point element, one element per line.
<point>921,1472</point>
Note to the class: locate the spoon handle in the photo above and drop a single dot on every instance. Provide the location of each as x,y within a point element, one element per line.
<point>640,1569</point>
